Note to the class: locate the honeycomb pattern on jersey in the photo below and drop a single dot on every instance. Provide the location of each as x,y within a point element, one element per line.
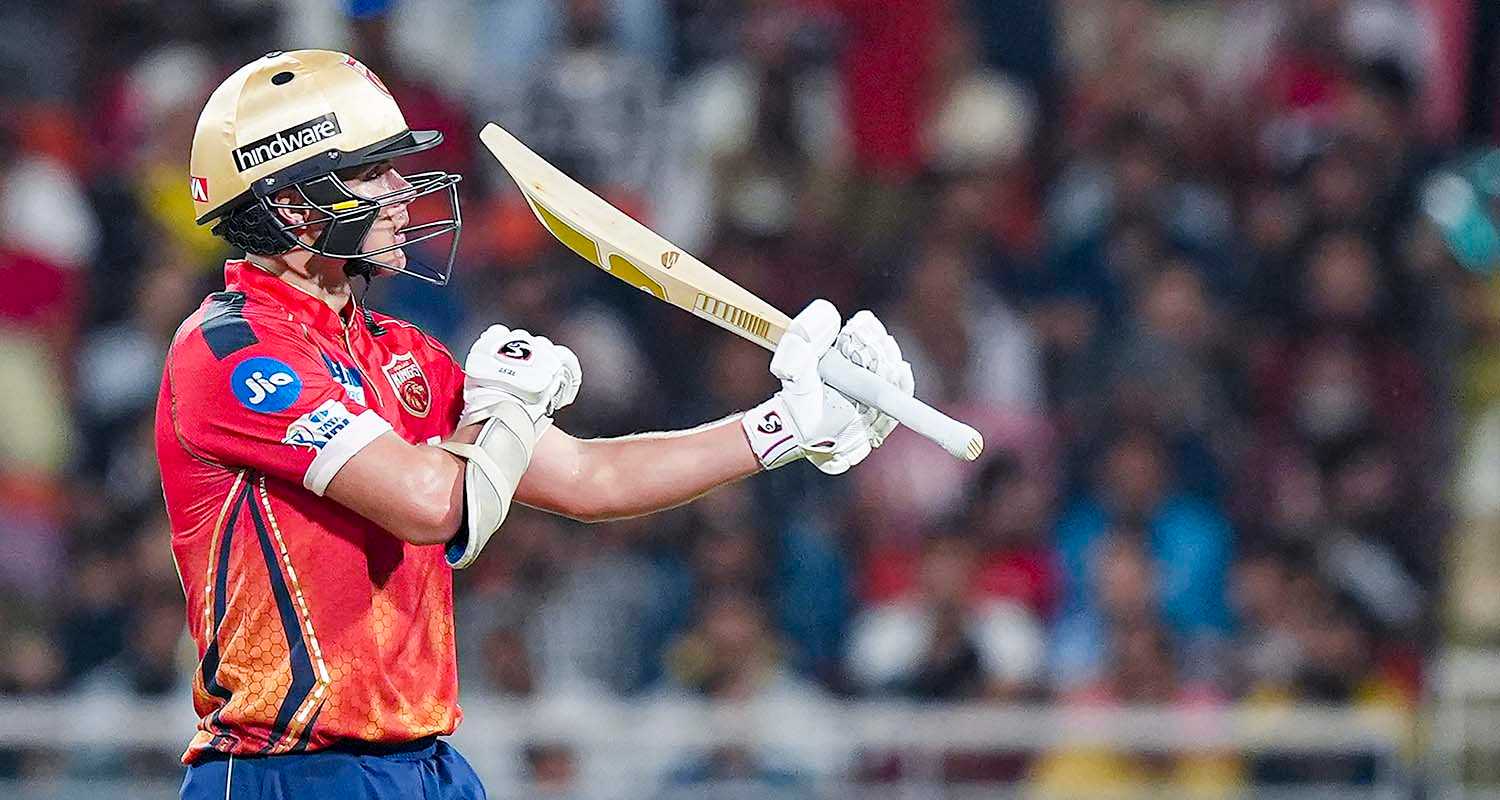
<point>392,643</point>
<point>382,621</point>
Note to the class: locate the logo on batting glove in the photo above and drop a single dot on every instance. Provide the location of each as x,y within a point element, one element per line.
<point>771,423</point>
<point>517,349</point>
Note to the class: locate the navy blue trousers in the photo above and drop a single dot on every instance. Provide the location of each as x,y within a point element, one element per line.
<point>431,771</point>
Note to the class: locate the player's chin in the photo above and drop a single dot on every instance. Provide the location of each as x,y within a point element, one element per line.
<point>395,259</point>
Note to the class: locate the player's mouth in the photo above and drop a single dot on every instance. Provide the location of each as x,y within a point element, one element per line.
<point>399,221</point>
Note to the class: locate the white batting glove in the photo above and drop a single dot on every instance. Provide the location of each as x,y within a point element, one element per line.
<point>865,342</point>
<point>808,419</point>
<point>506,366</point>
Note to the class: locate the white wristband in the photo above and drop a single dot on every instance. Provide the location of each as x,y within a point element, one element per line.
<point>768,427</point>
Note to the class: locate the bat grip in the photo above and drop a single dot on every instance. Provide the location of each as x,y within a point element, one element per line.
<point>866,387</point>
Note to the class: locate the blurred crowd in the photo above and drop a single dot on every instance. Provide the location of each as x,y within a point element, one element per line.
<point>1183,263</point>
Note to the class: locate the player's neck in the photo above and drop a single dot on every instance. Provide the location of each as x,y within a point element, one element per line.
<point>315,275</point>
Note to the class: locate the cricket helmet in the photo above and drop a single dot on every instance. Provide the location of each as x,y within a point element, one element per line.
<point>295,120</point>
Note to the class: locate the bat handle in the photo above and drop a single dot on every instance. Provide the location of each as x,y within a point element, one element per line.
<point>865,386</point>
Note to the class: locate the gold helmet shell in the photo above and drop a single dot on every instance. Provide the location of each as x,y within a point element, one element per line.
<point>294,120</point>
<point>283,109</point>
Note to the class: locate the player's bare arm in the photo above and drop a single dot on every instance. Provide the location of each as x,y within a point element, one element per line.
<point>414,491</point>
<point>603,479</point>
<point>599,479</point>
<point>593,480</point>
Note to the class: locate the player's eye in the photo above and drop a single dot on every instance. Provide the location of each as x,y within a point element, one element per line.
<point>364,172</point>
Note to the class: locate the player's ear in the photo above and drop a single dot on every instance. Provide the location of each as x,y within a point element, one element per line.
<point>289,197</point>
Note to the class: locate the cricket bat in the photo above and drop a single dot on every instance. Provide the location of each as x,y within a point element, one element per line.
<point>610,240</point>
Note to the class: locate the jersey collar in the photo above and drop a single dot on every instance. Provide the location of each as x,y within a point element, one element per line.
<point>242,276</point>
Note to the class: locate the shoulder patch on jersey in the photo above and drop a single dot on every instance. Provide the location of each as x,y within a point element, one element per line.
<point>318,427</point>
<point>224,326</point>
<point>348,377</point>
<point>265,384</point>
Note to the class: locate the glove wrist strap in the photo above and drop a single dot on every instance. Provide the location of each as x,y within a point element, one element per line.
<point>768,428</point>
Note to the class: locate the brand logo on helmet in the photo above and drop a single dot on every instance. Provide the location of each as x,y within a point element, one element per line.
<point>518,349</point>
<point>669,259</point>
<point>290,140</point>
<point>771,423</point>
<point>410,383</point>
<point>354,64</point>
<point>199,188</point>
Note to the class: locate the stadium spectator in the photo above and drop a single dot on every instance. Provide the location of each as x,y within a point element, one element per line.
<point>946,638</point>
<point>1188,540</point>
<point>1142,671</point>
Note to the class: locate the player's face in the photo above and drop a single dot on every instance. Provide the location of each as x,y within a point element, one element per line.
<point>377,180</point>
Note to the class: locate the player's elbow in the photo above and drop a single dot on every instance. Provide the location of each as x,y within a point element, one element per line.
<point>434,508</point>
<point>433,523</point>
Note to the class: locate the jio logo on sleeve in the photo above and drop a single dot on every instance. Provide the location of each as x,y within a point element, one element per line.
<point>265,384</point>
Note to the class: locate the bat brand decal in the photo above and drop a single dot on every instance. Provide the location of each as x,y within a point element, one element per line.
<point>771,423</point>
<point>410,383</point>
<point>517,349</point>
<point>669,259</point>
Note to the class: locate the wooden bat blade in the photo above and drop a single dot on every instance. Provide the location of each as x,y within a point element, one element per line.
<point>611,240</point>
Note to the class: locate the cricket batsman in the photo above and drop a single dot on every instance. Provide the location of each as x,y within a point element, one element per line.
<point>326,467</point>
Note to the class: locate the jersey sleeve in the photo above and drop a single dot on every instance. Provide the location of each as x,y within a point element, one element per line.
<point>266,402</point>
<point>450,384</point>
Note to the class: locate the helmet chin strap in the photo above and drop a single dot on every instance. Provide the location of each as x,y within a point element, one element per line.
<point>364,268</point>
<point>360,268</point>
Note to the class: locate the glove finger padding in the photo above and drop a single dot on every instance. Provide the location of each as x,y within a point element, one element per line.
<point>505,365</point>
<point>795,363</point>
<point>810,419</point>
<point>838,461</point>
<point>811,333</point>
<point>866,343</point>
<point>572,379</point>
<point>818,324</point>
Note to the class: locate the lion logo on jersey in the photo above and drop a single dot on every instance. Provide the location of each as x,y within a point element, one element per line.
<point>410,383</point>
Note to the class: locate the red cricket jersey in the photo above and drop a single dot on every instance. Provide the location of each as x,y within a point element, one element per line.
<point>313,624</point>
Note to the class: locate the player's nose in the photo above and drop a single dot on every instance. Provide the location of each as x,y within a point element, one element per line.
<point>396,182</point>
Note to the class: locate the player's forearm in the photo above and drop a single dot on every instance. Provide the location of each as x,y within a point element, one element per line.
<point>414,491</point>
<point>601,479</point>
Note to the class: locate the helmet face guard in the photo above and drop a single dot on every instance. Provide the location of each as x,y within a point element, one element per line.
<point>346,217</point>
